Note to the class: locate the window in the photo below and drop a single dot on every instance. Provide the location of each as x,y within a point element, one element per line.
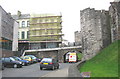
<point>27,34</point>
<point>52,32</point>
<point>46,20</point>
<point>28,23</point>
<point>34,32</point>
<point>23,23</point>
<point>52,20</point>
<point>7,59</point>
<point>12,59</point>
<point>23,35</point>
<point>18,34</point>
<point>18,24</point>
<point>40,21</point>
<point>6,44</point>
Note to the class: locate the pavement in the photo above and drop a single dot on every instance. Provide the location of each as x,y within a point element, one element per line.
<point>34,71</point>
<point>74,70</point>
<point>65,70</point>
<point>0,74</point>
<point>58,73</point>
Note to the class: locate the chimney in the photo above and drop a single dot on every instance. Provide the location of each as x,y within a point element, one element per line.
<point>18,13</point>
<point>9,14</point>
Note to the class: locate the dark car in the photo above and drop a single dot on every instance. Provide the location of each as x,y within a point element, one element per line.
<point>11,62</point>
<point>24,62</point>
<point>1,64</point>
<point>39,59</point>
<point>49,63</point>
<point>34,59</point>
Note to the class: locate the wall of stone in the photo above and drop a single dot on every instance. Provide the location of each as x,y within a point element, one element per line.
<point>78,37</point>
<point>106,28</point>
<point>52,54</point>
<point>95,30</point>
<point>0,22</point>
<point>7,53</point>
<point>0,33</point>
<point>57,54</point>
<point>114,11</point>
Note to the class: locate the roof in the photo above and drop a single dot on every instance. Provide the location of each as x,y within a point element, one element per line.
<point>23,16</point>
<point>45,15</point>
<point>116,0</point>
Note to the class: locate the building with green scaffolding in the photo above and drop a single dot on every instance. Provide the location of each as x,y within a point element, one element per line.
<point>45,31</point>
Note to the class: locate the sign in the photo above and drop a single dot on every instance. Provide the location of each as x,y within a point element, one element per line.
<point>85,74</point>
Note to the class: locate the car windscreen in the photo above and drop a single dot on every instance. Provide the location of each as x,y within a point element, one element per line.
<point>17,58</point>
<point>12,59</point>
<point>33,57</point>
<point>46,60</point>
<point>26,57</point>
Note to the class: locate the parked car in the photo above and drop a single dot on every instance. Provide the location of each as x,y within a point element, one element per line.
<point>1,64</point>
<point>34,59</point>
<point>27,58</point>
<point>49,63</point>
<point>24,62</point>
<point>11,62</point>
<point>39,59</point>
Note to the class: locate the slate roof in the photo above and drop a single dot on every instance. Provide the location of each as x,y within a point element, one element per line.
<point>23,16</point>
<point>116,0</point>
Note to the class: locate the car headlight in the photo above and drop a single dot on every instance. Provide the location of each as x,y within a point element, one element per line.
<point>20,62</point>
<point>27,61</point>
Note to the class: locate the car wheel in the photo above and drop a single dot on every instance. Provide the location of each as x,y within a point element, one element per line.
<point>57,67</point>
<point>40,68</point>
<point>15,66</point>
<point>2,67</point>
<point>23,64</point>
<point>26,64</point>
<point>53,68</point>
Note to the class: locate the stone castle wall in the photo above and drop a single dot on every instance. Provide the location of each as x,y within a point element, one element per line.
<point>78,37</point>
<point>114,11</point>
<point>95,31</point>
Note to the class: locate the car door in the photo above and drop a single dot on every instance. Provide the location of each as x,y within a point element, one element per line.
<point>54,62</point>
<point>7,62</point>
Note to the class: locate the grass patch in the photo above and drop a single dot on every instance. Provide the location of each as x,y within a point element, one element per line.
<point>105,63</point>
<point>79,55</point>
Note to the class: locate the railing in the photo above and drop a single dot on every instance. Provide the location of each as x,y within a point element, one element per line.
<point>45,35</point>
<point>45,28</point>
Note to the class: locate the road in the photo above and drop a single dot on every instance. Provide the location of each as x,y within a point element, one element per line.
<point>34,71</point>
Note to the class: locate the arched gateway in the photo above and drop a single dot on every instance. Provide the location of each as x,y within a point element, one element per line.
<point>57,53</point>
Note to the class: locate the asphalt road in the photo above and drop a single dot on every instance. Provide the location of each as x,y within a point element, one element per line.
<point>34,71</point>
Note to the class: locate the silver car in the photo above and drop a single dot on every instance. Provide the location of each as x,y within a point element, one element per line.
<point>49,63</point>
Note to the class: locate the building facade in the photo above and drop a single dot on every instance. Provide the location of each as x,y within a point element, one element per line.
<point>95,28</point>
<point>8,28</point>
<point>39,31</point>
<point>114,11</point>
<point>23,33</point>
<point>45,31</point>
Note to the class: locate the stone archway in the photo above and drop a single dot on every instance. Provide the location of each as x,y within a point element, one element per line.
<point>58,53</point>
<point>62,53</point>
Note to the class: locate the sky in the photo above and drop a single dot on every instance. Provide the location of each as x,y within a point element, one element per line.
<point>70,10</point>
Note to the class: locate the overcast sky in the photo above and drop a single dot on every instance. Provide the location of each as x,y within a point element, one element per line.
<point>70,10</point>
